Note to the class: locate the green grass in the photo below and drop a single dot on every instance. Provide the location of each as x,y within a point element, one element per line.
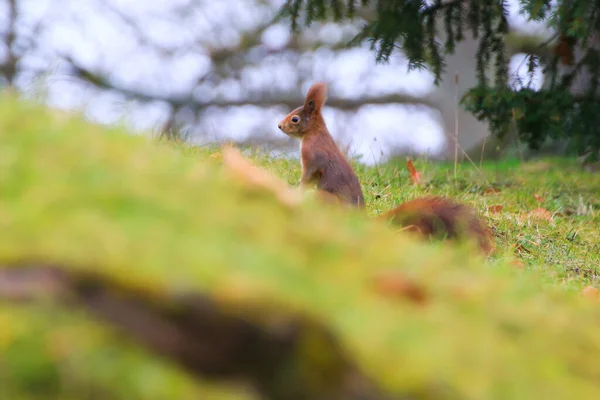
<point>170,219</point>
<point>566,248</point>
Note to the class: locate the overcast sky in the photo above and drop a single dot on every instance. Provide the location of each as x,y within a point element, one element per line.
<point>98,39</point>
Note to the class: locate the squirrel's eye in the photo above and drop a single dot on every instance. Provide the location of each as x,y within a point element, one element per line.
<point>295,119</point>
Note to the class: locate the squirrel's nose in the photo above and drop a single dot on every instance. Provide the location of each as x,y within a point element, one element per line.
<point>279,126</point>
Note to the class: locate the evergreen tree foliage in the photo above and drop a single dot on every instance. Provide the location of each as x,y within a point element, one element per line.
<point>554,112</point>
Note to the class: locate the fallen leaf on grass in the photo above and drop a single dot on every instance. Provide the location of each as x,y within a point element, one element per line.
<point>490,190</point>
<point>396,285</point>
<point>541,213</point>
<point>495,209</point>
<point>521,249</point>
<point>590,292</point>
<point>254,177</point>
<point>414,174</point>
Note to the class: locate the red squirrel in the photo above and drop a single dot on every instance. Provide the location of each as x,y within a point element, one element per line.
<point>322,161</point>
<point>324,164</point>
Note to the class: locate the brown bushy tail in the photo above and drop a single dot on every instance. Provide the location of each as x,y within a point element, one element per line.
<point>439,217</point>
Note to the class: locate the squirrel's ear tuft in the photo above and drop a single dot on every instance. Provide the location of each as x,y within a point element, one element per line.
<point>316,97</point>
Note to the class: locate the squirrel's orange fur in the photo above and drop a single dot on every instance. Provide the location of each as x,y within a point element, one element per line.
<point>324,165</point>
<point>441,218</point>
<point>322,161</point>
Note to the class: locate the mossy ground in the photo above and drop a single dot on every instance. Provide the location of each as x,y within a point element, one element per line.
<point>168,218</point>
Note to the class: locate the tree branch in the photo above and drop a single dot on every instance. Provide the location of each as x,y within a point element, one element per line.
<point>291,100</point>
<point>9,67</point>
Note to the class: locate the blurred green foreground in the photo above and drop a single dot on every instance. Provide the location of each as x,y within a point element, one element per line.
<point>130,271</point>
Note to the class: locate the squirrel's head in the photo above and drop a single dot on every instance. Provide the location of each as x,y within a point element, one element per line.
<point>298,122</point>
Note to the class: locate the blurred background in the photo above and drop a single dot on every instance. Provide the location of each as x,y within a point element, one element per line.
<point>230,70</point>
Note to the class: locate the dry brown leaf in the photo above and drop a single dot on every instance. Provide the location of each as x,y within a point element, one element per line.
<point>254,177</point>
<point>541,213</point>
<point>396,285</point>
<point>590,292</point>
<point>414,174</point>
<point>491,190</point>
<point>495,209</point>
<point>521,249</point>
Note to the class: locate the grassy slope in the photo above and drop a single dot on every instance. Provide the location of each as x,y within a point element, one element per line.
<point>567,247</point>
<point>150,217</point>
